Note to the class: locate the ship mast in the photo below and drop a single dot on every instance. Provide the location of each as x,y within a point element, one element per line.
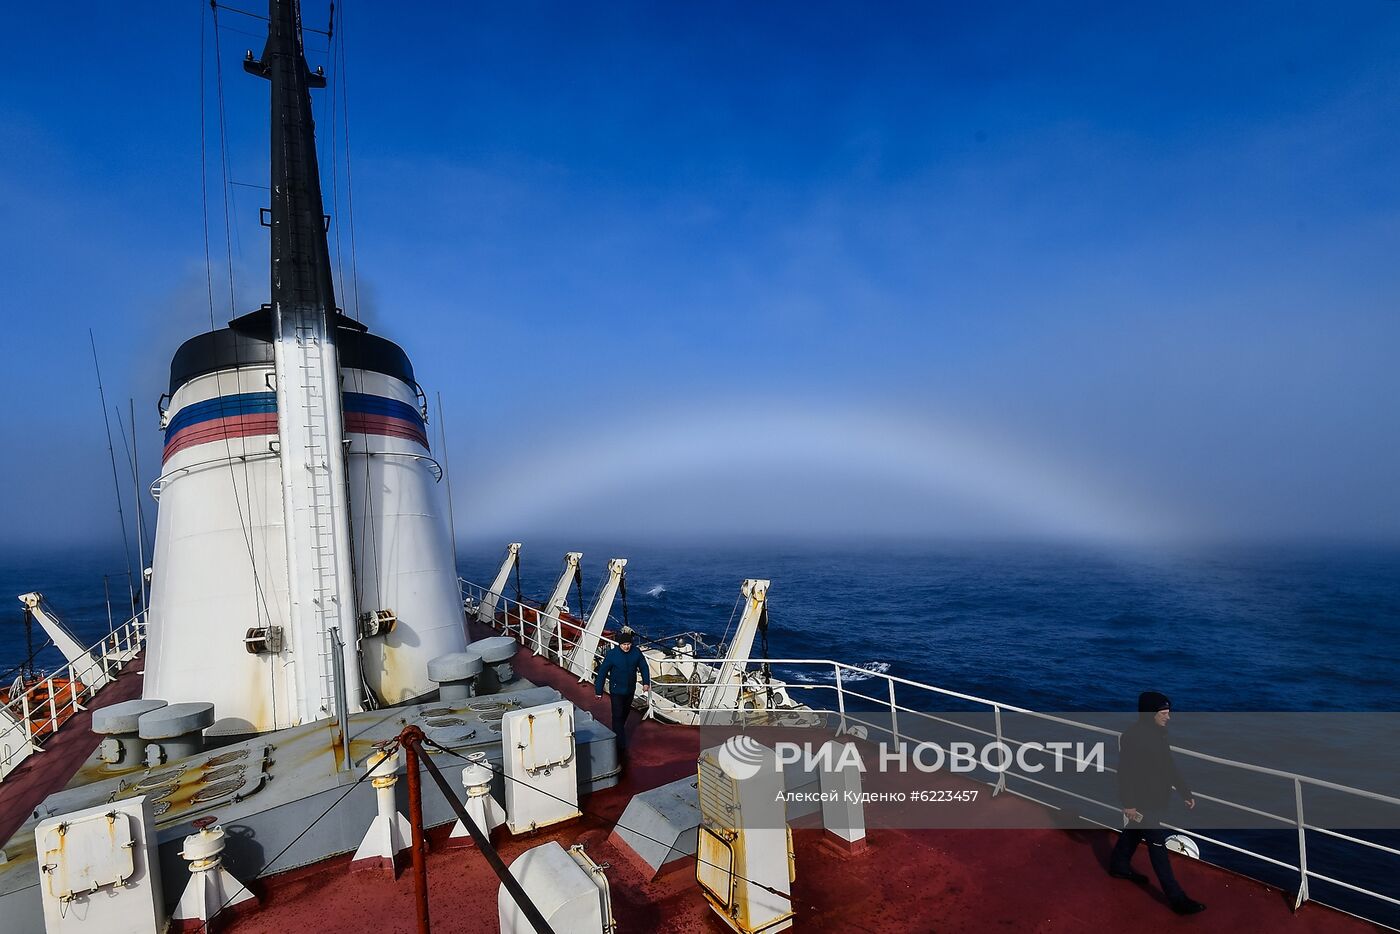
<point>310,416</point>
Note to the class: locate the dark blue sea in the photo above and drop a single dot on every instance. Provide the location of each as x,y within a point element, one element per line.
<point>1049,627</point>
<point>1046,627</point>
<point>1053,627</point>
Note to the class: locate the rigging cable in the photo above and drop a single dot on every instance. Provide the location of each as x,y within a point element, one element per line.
<point>622,589</point>
<point>136,484</point>
<point>112,455</point>
<point>261,610</point>
<point>349,177</point>
<point>107,594</point>
<point>140,509</point>
<point>595,815</point>
<point>25,669</point>
<point>724,640</point>
<point>765,670</point>
<point>334,804</point>
<point>369,529</point>
<point>447,472</point>
<point>578,587</point>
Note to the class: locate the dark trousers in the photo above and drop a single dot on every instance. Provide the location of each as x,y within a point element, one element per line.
<point>1156,837</point>
<point>621,707</point>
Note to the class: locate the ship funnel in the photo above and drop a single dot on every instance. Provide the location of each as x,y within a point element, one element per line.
<point>298,495</point>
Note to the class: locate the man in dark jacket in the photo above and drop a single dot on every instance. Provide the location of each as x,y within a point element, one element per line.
<point>1147,774</point>
<point>618,671</point>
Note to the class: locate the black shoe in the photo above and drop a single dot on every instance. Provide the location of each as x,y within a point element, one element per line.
<point>1130,875</point>
<point>1187,906</point>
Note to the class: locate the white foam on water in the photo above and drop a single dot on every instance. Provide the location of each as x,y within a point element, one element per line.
<point>863,672</point>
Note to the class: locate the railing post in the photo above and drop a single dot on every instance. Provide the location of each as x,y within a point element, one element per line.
<point>1302,847</point>
<point>25,714</point>
<point>483,843</point>
<point>53,708</point>
<point>894,715</point>
<point>1001,776</point>
<point>411,737</point>
<point>840,696</point>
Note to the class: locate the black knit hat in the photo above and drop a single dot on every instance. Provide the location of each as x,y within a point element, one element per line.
<point>1153,701</point>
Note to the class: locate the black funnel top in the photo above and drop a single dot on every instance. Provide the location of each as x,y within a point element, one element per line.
<point>301,265</point>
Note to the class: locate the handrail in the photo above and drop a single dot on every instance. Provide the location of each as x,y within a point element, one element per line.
<point>512,622</point>
<point>160,483</point>
<point>26,735</point>
<point>1260,769</point>
<point>1299,780</point>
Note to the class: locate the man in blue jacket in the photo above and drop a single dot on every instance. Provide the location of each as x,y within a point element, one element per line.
<point>619,670</point>
<point>1147,776</point>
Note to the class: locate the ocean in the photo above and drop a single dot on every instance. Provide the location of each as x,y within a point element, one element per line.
<point>1048,627</point>
<point>1040,626</point>
<point>1051,627</point>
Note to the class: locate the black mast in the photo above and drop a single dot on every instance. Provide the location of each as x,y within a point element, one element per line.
<point>301,264</point>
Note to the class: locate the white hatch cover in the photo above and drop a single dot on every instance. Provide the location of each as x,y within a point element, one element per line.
<point>546,735</point>
<point>84,854</point>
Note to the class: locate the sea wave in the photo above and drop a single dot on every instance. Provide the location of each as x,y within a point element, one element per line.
<point>657,591</point>
<point>864,672</point>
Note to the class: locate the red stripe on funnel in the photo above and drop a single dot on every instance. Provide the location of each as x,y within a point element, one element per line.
<point>236,426</point>
<point>362,423</point>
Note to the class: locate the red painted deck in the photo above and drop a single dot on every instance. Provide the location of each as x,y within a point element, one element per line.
<point>65,752</point>
<point>1041,881</point>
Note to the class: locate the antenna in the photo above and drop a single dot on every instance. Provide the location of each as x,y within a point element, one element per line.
<point>136,487</point>
<point>447,473</point>
<point>301,265</point>
<point>140,509</point>
<point>107,594</point>
<point>116,483</point>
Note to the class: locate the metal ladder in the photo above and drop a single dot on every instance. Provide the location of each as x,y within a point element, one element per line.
<point>321,502</point>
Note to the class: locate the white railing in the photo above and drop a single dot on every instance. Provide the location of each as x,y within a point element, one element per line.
<point>522,622</point>
<point>514,619</point>
<point>883,698</point>
<point>28,720</point>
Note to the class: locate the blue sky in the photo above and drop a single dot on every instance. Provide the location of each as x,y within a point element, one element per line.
<point>683,269</point>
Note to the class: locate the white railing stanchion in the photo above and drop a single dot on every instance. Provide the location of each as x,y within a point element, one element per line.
<point>840,696</point>
<point>1302,847</point>
<point>1001,775</point>
<point>894,718</point>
